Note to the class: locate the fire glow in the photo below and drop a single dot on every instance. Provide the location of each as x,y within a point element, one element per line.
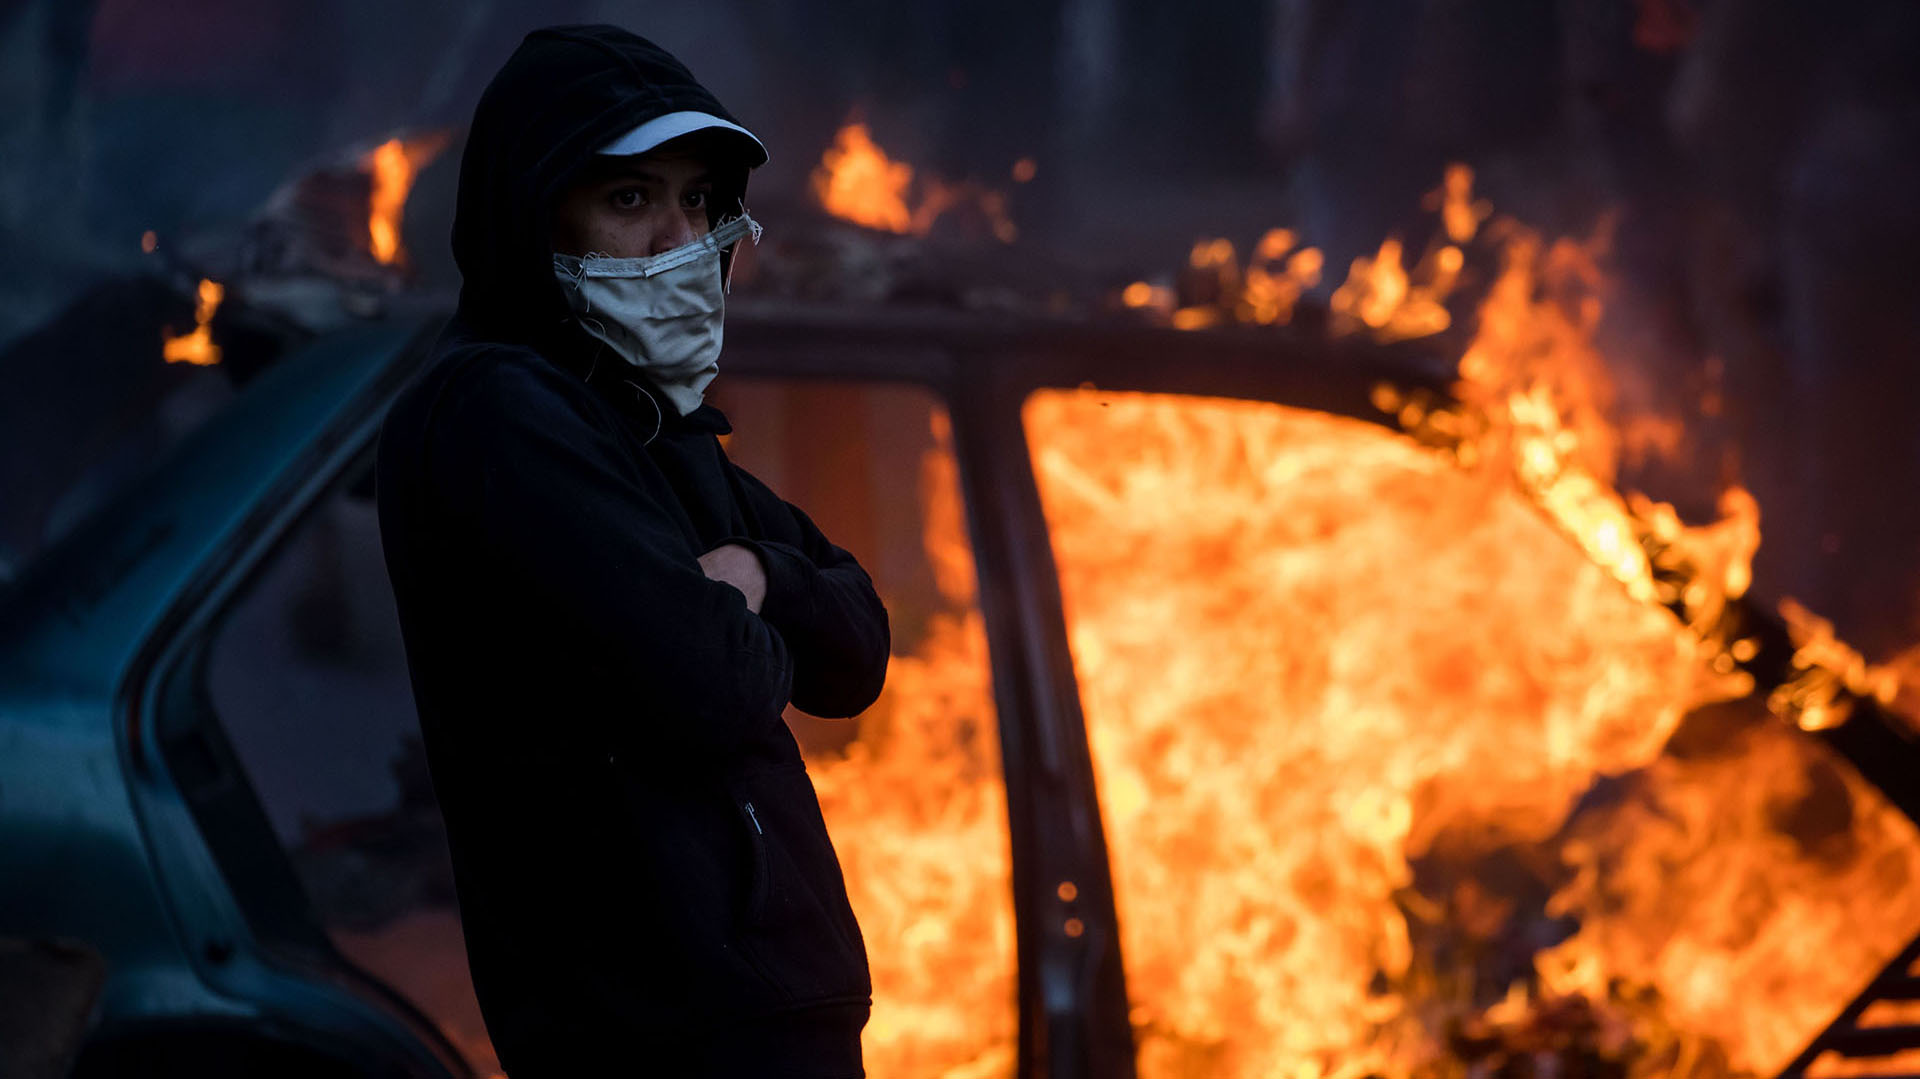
<point>197,348</point>
<point>392,167</point>
<point>856,181</point>
<point>1385,729</point>
<point>1349,699</point>
<point>1380,296</point>
<point>917,809</point>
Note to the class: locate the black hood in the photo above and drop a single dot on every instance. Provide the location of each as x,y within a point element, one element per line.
<point>565,92</point>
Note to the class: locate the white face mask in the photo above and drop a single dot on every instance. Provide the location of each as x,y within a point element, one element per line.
<point>662,313</point>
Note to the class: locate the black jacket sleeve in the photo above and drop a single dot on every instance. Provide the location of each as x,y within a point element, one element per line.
<point>562,514</point>
<point>824,606</point>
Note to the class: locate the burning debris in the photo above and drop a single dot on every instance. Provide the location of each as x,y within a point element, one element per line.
<point>1831,676</point>
<point>858,182</point>
<point>323,252</point>
<point>1215,289</point>
<point>1380,296</point>
<point>392,167</point>
<point>326,249</point>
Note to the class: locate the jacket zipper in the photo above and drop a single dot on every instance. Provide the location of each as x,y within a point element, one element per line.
<point>761,884</point>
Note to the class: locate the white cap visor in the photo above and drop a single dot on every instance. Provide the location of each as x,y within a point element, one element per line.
<point>672,125</point>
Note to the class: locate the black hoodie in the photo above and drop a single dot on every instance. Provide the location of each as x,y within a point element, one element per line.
<point>645,881</point>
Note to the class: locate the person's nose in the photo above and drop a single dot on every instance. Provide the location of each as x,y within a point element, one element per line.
<point>673,232</point>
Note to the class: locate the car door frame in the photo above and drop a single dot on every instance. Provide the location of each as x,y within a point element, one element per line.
<point>1073,1005</point>
<point>309,995</point>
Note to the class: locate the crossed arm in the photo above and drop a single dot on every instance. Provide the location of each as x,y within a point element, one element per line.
<point>817,596</point>
<point>720,641</point>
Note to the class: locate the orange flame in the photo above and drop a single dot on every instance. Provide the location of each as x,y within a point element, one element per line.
<point>393,165</point>
<point>856,181</point>
<point>917,809</point>
<point>197,347</point>
<point>1747,941</point>
<point>1379,295</point>
<point>1280,723</point>
<point>1276,278</point>
<point>1331,675</point>
<point>1829,673</point>
<point>1264,292</point>
<point>1745,893</point>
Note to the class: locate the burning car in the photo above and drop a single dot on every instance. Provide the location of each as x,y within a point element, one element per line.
<point>1264,701</point>
<point>1174,681</point>
<point>207,674</point>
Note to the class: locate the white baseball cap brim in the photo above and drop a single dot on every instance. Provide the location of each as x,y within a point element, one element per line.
<point>672,125</point>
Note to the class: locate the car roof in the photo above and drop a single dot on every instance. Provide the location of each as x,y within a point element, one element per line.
<point>77,618</point>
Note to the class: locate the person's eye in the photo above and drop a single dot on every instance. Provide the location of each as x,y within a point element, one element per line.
<point>627,198</point>
<point>694,200</point>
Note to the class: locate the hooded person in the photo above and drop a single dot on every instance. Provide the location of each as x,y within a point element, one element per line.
<point>604,617</point>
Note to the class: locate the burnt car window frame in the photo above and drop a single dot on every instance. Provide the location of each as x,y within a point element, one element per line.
<point>1074,1010</point>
